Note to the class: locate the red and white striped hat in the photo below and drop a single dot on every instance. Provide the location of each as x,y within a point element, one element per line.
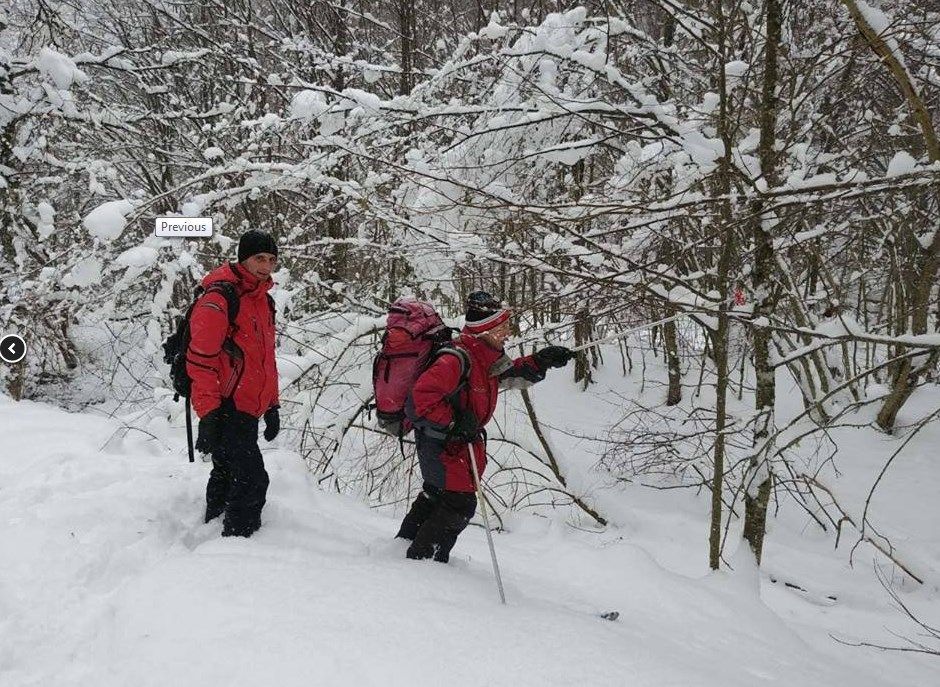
<point>484,313</point>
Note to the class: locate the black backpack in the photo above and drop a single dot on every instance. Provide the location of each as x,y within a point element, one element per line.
<point>176,345</point>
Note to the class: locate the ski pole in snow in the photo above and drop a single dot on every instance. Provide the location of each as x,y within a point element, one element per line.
<point>189,431</point>
<point>486,521</point>
<point>620,335</point>
<point>411,468</point>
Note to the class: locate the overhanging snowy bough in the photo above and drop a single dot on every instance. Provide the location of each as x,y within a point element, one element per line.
<point>343,446</point>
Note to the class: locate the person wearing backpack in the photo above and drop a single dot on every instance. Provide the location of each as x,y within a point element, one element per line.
<point>450,403</point>
<point>234,382</point>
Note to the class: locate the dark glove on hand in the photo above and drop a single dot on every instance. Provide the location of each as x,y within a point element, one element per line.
<point>272,423</point>
<point>464,427</point>
<point>210,430</point>
<point>553,356</point>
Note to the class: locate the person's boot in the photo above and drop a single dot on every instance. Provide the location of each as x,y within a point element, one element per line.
<point>237,523</point>
<point>254,523</point>
<point>239,530</point>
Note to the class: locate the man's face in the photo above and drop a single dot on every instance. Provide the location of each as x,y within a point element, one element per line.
<point>260,265</point>
<point>497,336</point>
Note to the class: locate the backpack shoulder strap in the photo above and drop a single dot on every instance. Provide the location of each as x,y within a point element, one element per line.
<point>463,357</point>
<point>454,396</point>
<point>230,292</point>
<point>272,305</point>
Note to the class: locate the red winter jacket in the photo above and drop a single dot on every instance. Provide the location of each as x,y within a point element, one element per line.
<point>489,370</point>
<point>249,373</point>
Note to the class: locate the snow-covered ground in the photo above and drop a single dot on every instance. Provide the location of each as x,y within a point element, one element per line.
<point>109,577</point>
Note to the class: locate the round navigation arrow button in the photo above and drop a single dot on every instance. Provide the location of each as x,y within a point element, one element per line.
<point>12,348</point>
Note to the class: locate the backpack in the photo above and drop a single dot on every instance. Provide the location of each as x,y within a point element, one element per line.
<point>176,345</point>
<point>415,336</point>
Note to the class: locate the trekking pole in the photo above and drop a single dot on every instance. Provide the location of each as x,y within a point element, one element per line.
<point>620,335</point>
<point>411,469</point>
<point>189,431</point>
<point>486,521</point>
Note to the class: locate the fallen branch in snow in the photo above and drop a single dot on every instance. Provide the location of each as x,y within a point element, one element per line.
<point>550,455</point>
<point>923,341</point>
<point>920,425</point>
<point>339,432</point>
<point>815,596</point>
<point>915,646</point>
<point>929,342</point>
<point>347,339</point>
<point>887,552</point>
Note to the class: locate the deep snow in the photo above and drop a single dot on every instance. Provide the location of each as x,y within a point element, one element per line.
<point>109,577</point>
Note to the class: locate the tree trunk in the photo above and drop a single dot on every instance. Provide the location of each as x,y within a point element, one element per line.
<point>670,338</point>
<point>723,286</point>
<point>583,331</point>
<point>758,479</point>
<point>406,26</point>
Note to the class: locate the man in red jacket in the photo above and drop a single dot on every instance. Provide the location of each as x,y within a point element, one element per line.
<point>450,403</point>
<point>235,382</point>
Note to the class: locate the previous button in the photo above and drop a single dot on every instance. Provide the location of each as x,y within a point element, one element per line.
<point>12,348</point>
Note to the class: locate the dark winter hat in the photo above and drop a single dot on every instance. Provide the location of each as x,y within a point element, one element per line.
<point>255,241</point>
<point>484,313</point>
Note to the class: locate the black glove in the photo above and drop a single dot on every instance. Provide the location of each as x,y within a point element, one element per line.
<point>210,430</point>
<point>272,423</point>
<point>464,427</point>
<point>553,356</point>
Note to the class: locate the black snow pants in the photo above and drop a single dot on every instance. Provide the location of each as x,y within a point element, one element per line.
<point>238,482</point>
<point>437,516</point>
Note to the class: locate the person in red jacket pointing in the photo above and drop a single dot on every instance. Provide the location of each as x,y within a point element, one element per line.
<point>235,382</point>
<point>450,404</point>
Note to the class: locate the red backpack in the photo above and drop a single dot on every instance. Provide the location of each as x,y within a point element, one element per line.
<point>414,336</point>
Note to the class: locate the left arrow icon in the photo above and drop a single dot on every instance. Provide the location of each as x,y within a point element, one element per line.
<point>12,348</point>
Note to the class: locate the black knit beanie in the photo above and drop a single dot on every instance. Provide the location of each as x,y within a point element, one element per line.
<point>255,241</point>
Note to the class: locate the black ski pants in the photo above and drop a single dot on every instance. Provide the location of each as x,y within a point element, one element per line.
<point>238,482</point>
